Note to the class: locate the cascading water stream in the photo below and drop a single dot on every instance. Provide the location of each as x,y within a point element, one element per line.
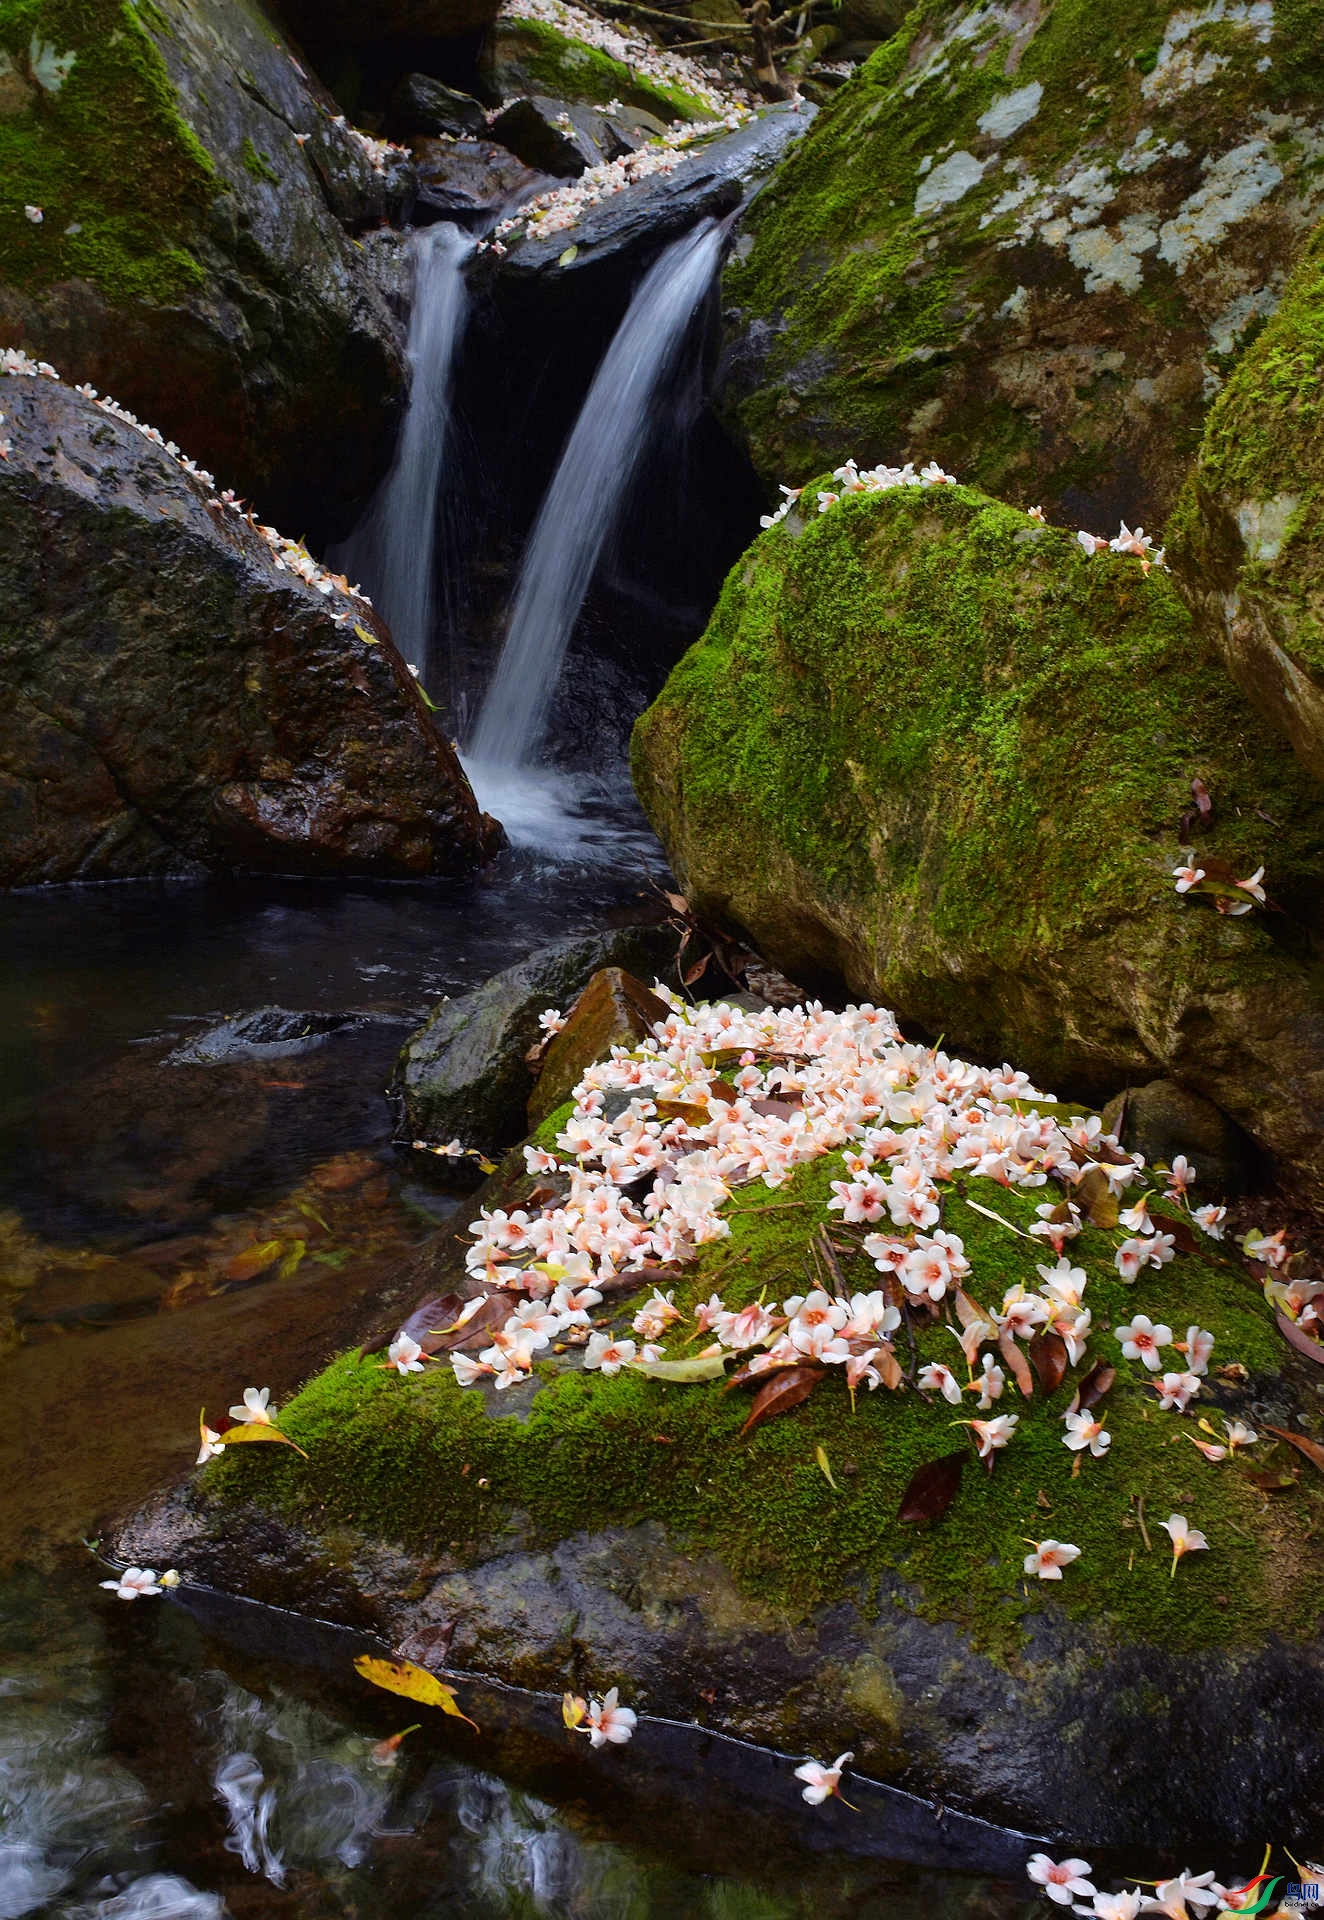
<point>393,548</point>
<point>581,508</point>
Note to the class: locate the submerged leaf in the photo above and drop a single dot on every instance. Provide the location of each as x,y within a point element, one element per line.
<point>414,1683</point>
<point>251,1261</point>
<point>932,1488</point>
<point>787,1388</point>
<point>242,1431</point>
<point>684,1372</point>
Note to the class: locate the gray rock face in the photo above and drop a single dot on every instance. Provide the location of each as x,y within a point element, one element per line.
<point>174,700</point>
<point>469,181</point>
<point>192,259</point>
<point>558,137</point>
<point>421,104</point>
<point>464,1076</point>
<point>1163,1119</point>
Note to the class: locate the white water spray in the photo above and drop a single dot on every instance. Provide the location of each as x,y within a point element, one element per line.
<point>392,550</point>
<point>583,502</point>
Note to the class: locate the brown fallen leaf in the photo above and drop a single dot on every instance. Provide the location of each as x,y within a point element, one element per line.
<point>445,1337</point>
<point>1298,1338</point>
<point>251,1261</point>
<point>1096,1199</point>
<point>422,1322</point>
<point>789,1387</point>
<point>1093,1386</point>
<point>1309,1449</point>
<point>932,1488</point>
<point>1017,1363</point>
<point>1049,1358</point>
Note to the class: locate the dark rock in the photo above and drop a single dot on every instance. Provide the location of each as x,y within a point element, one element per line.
<point>531,57</point>
<point>473,182</point>
<point>1163,1119</point>
<point>552,135</point>
<point>235,317</point>
<point>174,699</point>
<point>268,1033</point>
<point>422,105</point>
<point>369,22</point>
<point>614,1010</point>
<point>464,1074</point>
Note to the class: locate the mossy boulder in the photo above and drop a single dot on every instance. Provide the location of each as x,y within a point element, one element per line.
<point>1248,534</point>
<point>587,1531</point>
<point>930,748</point>
<point>174,699</point>
<point>189,257</point>
<point>1031,241</point>
<point>533,57</point>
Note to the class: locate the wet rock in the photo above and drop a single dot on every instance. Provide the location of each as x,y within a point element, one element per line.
<point>422,105</point>
<point>522,57</point>
<point>1162,1120</point>
<point>1248,532</point>
<point>553,136</point>
<point>889,761</point>
<point>1030,246</point>
<point>235,318</point>
<point>473,182</point>
<point>614,1010</point>
<point>464,1074</point>
<point>175,701</point>
<point>268,1033</point>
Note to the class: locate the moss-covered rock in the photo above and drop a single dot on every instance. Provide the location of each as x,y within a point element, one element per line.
<point>532,57</point>
<point>589,1531</point>
<point>1248,534</point>
<point>1030,239</point>
<point>929,747</point>
<point>189,258</point>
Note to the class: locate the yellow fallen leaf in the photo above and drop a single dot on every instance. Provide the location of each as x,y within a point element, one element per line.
<point>368,639</point>
<point>259,1430</point>
<point>415,1683</point>
<point>289,1264</point>
<point>251,1261</point>
<point>820,1454</point>
<point>564,259</point>
<point>706,1367</point>
<point>573,1710</point>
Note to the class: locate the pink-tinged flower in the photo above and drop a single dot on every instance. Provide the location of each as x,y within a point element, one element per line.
<point>1210,1220</point>
<point>1084,1430</point>
<point>709,1312</point>
<point>1062,1880</point>
<point>748,1328</point>
<point>608,1354</point>
<point>1022,1313</point>
<point>1171,1896</point>
<point>1036,513</point>
<point>1129,1258</point>
<point>1212,1452</point>
<point>135,1583</point>
<point>1141,1340</point>
<point>405,1354</point>
<point>1091,541</point>
<point>927,1272</point>
<point>936,1378</point>
<point>988,1383</point>
<point>551,1020</point>
<point>1269,1247</point>
<point>993,1434</point>
<point>1238,1435</point>
<point>1252,885</point>
<point>1048,1559</point>
<point>255,1410</point>
<point>35,215</point>
<point>1176,1390</point>
<point>607,1723</point>
<point>1184,1538</point>
<point>1187,877</point>
<point>1136,1219</point>
<point>211,1441</point>
<point>1197,1346</point>
<point>467,1370</point>
<point>1181,1174</point>
<point>861,1370</point>
<point>1073,1329</point>
<point>1063,1283</point>
<point>1118,1906</point>
<point>655,1316</point>
<point>816,1314</point>
<point>822,1782</point>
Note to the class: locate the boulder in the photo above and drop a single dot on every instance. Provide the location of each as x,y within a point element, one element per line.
<point>1248,533</point>
<point>190,257</point>
<point>930,748</point>
<point>370,23</point>
<point>421,105</point>
<point>1029,240</point>
<point>465,1074</point>
<point>555,137</point>
<point>531,57</point>
<point>583,1531</point>
<point>614,1010</point>
<point>1162,1120</point>
<point>472,182</point>
<point>177,695</point>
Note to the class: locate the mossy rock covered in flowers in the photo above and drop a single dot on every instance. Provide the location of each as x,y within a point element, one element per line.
<point>525,56</point>
<point>170,185</point>
<point>1248,532</point>
<point>931,747</point>
<point>1031,239</point>
<point>579,1521</point>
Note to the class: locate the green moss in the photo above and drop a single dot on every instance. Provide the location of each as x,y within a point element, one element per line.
<point>532,56</point>
<point>257,164</point>
<point>120,177</point>
<point>425,1463</point>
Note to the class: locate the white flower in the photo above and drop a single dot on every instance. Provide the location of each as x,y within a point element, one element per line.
<point>1141,1340</point>
<point>608,1354</point>
<point>1047,1560</point>
<point>255,1411</point>
<point>211,1441</point>
<point>405,1354</point>
<point>609,1724</point>
<point>135,1583</point>
<point>1184,1537</point>
<point>1061,1880</point>
<point>1083,1430</point>
<point>821,1782</point>
<point>35,215</point>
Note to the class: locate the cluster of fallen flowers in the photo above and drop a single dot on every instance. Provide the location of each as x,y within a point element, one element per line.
<point>561,208</point>
<point>1216,879</point>
<point>288,556</point>
<point>852,479</point>
<point>1186,1896</point>
<point>650,62</point>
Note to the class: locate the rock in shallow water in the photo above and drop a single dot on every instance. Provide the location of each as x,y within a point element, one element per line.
<point>174,700</point>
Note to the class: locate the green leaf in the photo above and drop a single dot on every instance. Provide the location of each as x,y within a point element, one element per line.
<point>820,1454</point>
<point>685,1372</point>
<point>361,633</point>
<point>564,259</point>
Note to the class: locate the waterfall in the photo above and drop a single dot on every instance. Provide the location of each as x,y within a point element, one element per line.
<point>392,550</point>
<point>586,496</point>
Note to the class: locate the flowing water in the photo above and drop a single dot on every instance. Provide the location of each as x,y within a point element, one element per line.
<point>393,550</point>
<point>590,488</point>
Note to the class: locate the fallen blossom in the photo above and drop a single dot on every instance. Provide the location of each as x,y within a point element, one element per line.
<point>1049,1558</point>
<point>822,1782</point>
<point>1141,1340</point>
<point>35,215</point>
<point>1173,1896</point>
<point>1187,877</point>
<point>1185,1538</point>
<point>936,1378</point>
<point>1062,1880</point>
<point>210,1440</point>
<point>1086,1430</point>
<point>608,1354</point>
<point>135,1583</point>
<point>551,1020</point>
<point>255,1409</point>
<point>607,1723</point>
<point>1239,1435</point>
<point>994,1434</point>
<point>405,1354</point>
<point>1176,1390</point>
